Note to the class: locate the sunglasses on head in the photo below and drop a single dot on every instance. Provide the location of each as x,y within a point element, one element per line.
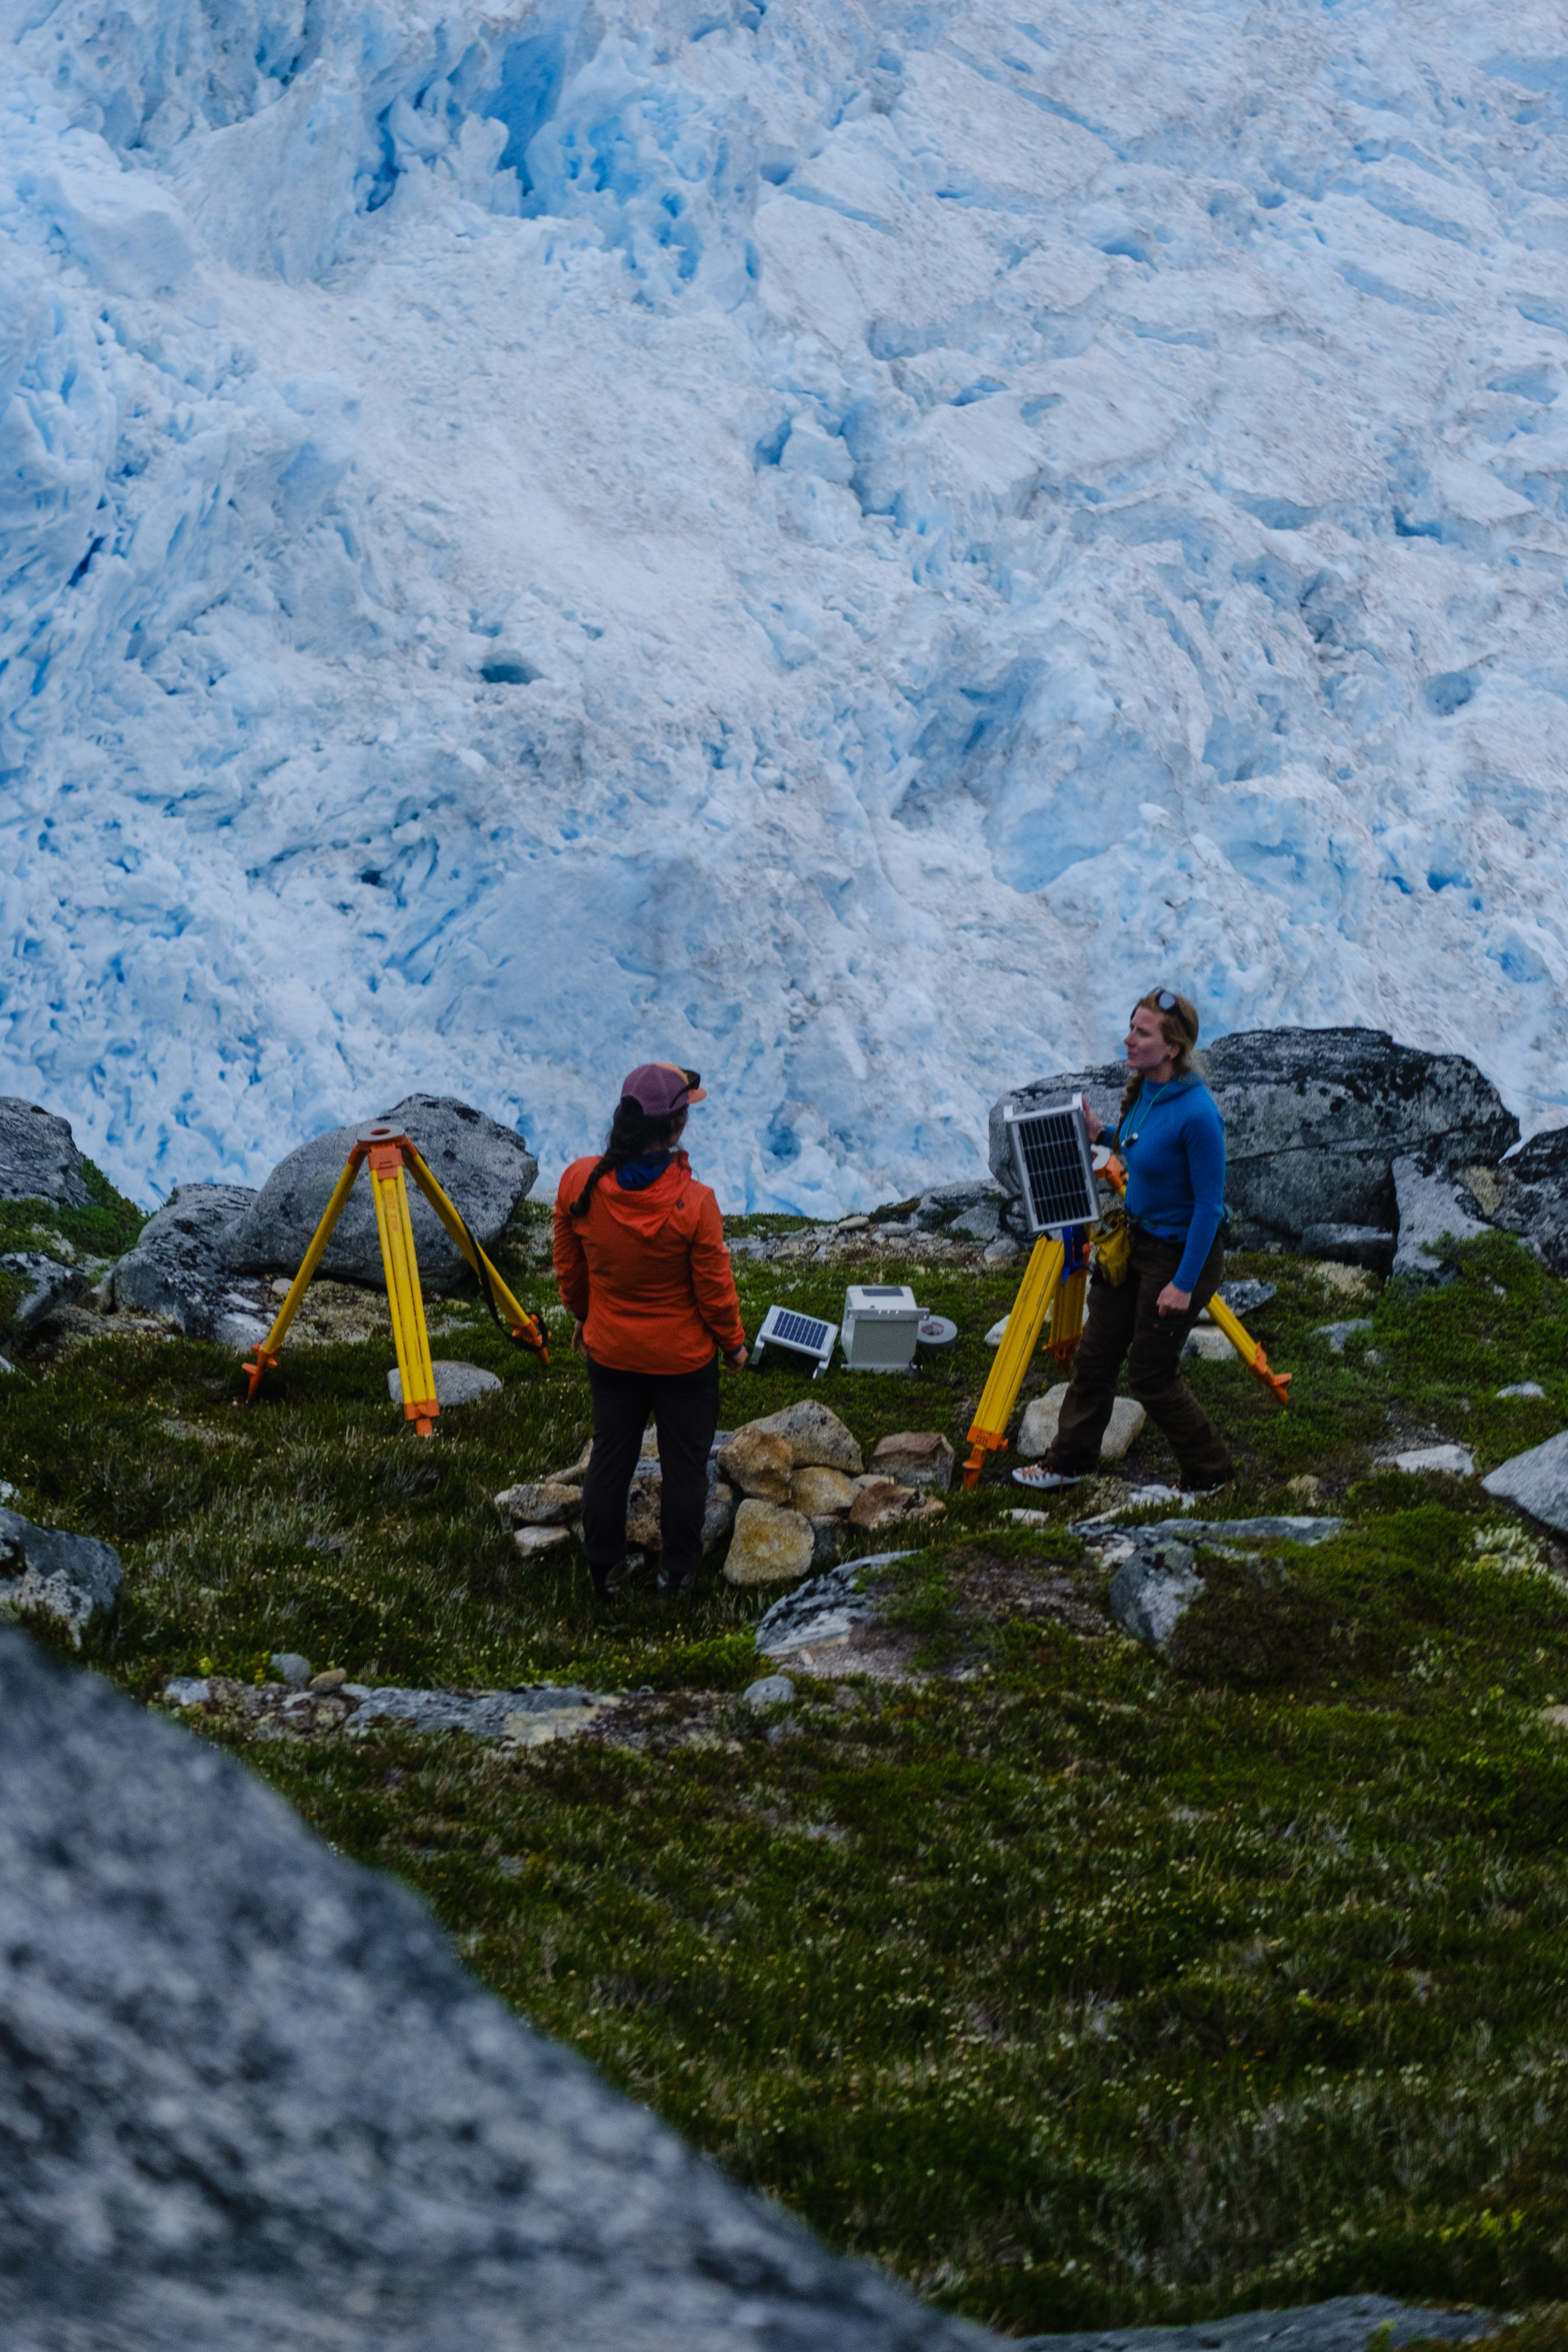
<point>692,1077</point>
<point>1166,1001</point>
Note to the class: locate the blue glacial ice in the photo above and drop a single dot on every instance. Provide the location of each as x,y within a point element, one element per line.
<point>831,540</point>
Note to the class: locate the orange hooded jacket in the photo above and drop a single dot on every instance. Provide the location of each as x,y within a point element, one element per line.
<point>648,1273</point>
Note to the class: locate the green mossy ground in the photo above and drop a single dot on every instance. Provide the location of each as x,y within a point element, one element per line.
<point>90,1238</point>
<point>106,1228</point>
<point>1082,1990</point>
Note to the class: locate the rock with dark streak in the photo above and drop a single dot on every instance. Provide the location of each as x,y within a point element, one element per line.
<point>180,1266</point>
<point>1314,1121</point>
<point>38,1157</point>
<point>250,2098</point>
<point>483,1168</point>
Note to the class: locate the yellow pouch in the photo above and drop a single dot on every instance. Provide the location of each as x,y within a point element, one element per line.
<point>1113,1246</point>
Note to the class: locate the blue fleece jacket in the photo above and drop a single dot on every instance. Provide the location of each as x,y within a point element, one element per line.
<point>1176,1169</point>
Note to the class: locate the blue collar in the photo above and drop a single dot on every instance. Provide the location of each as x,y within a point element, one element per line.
<point>636,1175</point>
<point>1149,1097</point>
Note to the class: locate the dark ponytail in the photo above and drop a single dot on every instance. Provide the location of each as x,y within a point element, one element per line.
<point>632,1132</point>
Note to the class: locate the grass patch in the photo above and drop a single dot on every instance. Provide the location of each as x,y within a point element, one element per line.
<point>1086,1990</point>
<point>106,1228</point>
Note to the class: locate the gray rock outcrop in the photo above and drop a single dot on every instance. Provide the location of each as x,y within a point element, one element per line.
<point>1156,1580</point>
<point>1154,1588</point>
<point>824,1609</point>
<point>38,1160</point>
<point>1314,1121</point>
<point>250,2098</point>
<point>1537,1481</point>
<point>1432,1209</point>
<point>179,1265</point>
<point>1530,1197</point>
<point>483,1168</point>
<point>968,1211</point>
<point>73,1578</point>
<point>49,1286</point>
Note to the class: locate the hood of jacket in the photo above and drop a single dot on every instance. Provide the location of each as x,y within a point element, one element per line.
<point>648,1212</point>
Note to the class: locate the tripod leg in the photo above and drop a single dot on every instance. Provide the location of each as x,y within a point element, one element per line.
<point>1066,1317</point>
<point>988,1430</point>
<point>523,1325</point>
<point>1067,1308</point>
<point>1249,1349</point>
<point>268,1351</point>
<point>403,1295</point>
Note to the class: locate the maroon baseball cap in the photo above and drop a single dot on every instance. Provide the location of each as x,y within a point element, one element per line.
<point>661,1088</point>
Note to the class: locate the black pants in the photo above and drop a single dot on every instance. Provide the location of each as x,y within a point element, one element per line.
<point>1125,1323</point>
<point>685,1408</point>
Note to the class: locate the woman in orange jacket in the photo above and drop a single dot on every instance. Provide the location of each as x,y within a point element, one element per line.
<point>642,1267</point>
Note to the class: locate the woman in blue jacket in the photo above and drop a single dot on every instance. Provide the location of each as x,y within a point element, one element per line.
<point>1171,1141</point>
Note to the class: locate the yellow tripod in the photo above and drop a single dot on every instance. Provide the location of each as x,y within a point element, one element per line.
<point>1054,1286</point>
<point>389,1154</point>
<point>1049,1288</point>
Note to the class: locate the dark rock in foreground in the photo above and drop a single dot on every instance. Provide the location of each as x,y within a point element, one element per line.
<point>250,2098</point>
<point>179,1266</point>
<point>483,1168</point>
<point>38,1159</point>
<point>1314,1121</point>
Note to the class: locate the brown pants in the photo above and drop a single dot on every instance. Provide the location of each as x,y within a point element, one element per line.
<point>1124,1322</point>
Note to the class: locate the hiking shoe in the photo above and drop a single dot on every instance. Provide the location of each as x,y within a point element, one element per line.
<point>673,1582</point>
<point>608,1581</point>
<point>1041,1481</point>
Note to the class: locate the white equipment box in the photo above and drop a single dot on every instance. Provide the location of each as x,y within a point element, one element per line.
<point>881,1324</point>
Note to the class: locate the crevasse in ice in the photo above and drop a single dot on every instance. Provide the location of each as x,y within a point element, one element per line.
<point>833,543</point>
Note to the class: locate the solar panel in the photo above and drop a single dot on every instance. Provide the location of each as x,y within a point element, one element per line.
<point>1051,1153</point>
<point>798,1331</point>
<point>797,1335</point>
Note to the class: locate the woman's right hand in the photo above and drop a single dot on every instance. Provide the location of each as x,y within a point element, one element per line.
<point>579,1345</point>
<point>734,1359</point>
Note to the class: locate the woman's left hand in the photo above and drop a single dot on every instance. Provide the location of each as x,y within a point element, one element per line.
<point>1172,1301</point>
<point>579,1345</point>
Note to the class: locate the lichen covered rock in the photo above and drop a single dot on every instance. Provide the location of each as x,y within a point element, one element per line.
<point>769,1546</point>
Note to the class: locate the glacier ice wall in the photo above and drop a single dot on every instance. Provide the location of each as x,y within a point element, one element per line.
<point>832,541</point>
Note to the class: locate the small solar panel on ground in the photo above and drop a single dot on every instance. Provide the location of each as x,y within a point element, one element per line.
<point>798,1331</point>
<point>797,1335</point>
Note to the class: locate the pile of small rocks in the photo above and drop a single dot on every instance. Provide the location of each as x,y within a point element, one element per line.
<point>805,1490</point>
<point>788,1490</point>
